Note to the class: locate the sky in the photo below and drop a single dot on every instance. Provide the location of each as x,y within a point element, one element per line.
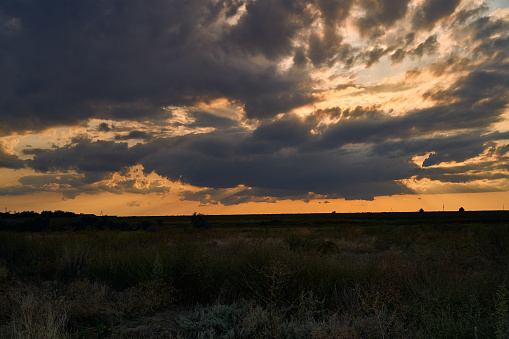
<point>169,107</point>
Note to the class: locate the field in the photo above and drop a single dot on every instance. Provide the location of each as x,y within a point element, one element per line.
<point>376,275</point>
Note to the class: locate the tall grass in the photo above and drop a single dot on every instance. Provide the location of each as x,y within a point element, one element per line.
<point>380,282</point>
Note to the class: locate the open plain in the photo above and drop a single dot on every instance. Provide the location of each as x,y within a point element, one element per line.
<point>365,275</point>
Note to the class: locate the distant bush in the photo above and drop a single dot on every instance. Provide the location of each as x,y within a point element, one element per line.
<point>200,221</point>
<point>145,224</point>
<point>35,224</point>
<point>58,214</point>
<point>27,214</point>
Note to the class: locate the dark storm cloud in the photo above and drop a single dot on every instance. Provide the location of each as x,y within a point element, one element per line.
<point>381,13</point>
<point>269,27</point>
<point>475,101</point>
<point>319,115</point>
<point>104,127</point>
<point>465,14</point>
<point>324,49</point>
<point>284,155</point>
<point>409,38</point>
<point>493,37</point>
<point>62,63</point>
<point>334,11</point>
<point>126,59</point>
<point>65,63</point>
<point>486,27</point>
<point>85,156</point>
<point>398,51</point>
<point>346,55</point>
<point>272,137</point>
<point>398,56</point>
<point>427,47</point>
<point>373,56</point>
<point>10,160</point>
<point>448,148</point>
<point>497,48</point>
<point>220,160</point>
<point>296,173</point>
<point>299,58</point>
<point>380,127</point>
<point>432,11</point>
<point>271,104</point>
<point>467,173</point>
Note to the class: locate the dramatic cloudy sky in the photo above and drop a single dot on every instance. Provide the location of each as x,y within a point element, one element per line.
<point>253,106</point>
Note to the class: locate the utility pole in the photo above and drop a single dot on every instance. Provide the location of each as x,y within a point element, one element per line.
<point>443,207</point>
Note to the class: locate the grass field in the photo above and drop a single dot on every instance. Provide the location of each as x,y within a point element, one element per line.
<point>386,275</point>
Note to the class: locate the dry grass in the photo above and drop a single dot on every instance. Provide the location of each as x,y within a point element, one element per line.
<point>37,316</point>
<point>383,282</point>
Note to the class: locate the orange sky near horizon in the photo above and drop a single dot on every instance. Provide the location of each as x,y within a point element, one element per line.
<point>154,205</point>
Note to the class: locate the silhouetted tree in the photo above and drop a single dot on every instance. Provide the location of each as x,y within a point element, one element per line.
<point>28,214</point>
<point>462,209</point>
<point>421,210</point>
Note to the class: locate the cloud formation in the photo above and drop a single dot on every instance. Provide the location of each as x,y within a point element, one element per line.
<point>9,160</point>
<point>255,100</point>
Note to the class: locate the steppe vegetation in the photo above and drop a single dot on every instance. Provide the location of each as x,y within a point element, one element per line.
<point>265,277</point>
